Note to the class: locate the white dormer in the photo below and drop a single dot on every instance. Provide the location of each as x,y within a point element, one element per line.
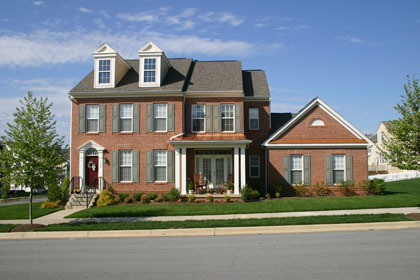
<point>153,66</point>
<point>109,67</point>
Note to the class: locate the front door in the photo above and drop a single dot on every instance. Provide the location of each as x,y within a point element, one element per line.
<point>215,168</point>
<point>91,171</point>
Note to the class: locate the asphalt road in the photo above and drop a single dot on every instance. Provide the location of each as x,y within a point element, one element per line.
<point>348,255</point>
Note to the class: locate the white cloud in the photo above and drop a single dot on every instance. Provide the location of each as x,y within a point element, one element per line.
<point>85,10</point>
<point>292,29</point>
<point>138,17</point>
<point>38,3</point>
<point>351,40</point>
<point>99,22</point>
<point>260,24</point>
<point>222,17</point>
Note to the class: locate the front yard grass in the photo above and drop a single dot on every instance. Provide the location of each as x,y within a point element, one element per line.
<point>21,211</point>
<point>398,194</point>
<point>341,219</point>
<point>6,227</point>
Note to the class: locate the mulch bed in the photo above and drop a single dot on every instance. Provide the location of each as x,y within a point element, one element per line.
<point>25,228</point>
<point>414,216</point>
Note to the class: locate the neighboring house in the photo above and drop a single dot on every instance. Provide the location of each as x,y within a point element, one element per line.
<point>377,161</point>
<point>153,123</point>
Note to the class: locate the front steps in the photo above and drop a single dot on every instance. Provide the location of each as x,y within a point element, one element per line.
<point>81,201</point>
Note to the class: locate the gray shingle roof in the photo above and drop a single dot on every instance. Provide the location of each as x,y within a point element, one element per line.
<point>279,119</point>
<point>255,83</point>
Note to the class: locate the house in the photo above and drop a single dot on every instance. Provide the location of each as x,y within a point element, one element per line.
<point>152,123</point>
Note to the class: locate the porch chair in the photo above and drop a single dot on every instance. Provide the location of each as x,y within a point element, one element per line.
<point>198,182</point>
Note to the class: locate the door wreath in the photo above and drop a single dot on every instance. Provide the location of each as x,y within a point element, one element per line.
<point>92,165</point>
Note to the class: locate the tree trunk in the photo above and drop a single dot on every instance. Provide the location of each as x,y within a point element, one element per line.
<point>30,205</point>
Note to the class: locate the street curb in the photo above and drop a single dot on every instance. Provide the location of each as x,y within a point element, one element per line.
<point>211,231</point>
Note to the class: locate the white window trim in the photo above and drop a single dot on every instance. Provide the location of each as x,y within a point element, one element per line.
<point>111,83</point>
<point>233,118</point>
<point>156,83</point>
<point>131,166</point>
<point>121,118</point>
<point>303,169</point>
<point>345,168</point>
<point>166,117</point>
<point>87,119</point>
<point>166,167</point>
<point>258,114</point>
<point>192,118</point>
<point>251,166</point>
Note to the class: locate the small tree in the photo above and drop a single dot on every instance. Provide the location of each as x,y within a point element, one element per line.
<point>402,149</point>
<point>33,151</point>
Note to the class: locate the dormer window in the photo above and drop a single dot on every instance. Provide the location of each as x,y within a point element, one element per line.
<point>104,71</point>
<point>150,70</point>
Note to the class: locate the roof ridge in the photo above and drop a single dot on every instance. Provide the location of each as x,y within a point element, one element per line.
<point>217,61</point>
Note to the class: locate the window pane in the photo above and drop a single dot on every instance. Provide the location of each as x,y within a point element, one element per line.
<point>159,110</point>
<point>227,124</point>
<point>227,111</point>
<point>338,176</point>
<point>198,125</point>
<point>253,124</point>
<point>296,177</point>
<point>254,172</point>
<point>92,111</point>
<point>150,63</point>
<point>125,157</point>
<point>104,77</point>
<point>160,157</point>
<point>160,173</point>
<point>104,65</point>
<point>125,124</point>
<point>149,76</point>
<point>207,169</point>
<point>253,113</point>
<point>125,173</point>
<point>126,110</point>
<point>198,111</point>
<point>92,125</point>
<point>296,162</point>
<point>338,162</point>
<point>160,125</point>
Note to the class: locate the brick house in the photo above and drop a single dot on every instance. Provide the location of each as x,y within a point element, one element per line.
<point>153,123</point>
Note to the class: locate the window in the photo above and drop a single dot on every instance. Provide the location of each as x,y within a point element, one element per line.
<point>159,163</point>
<point>254,166</point>
<point>104,71</point>
<point>198,118</point>
<point>92,118</point>
<point>382,136</point>
<point>254,119</point>
<point>126,117</point>
<point>149,70</point>
<point>159,114</point>
<point>227,117</point>
<point>317,122</point>
<point>338,168</point>
<point>382,158</point>
<point>125,166</point>
<point>296,168</point>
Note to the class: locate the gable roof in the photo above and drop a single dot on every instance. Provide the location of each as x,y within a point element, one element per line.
<point>255,83</point>
<point>317,102</point>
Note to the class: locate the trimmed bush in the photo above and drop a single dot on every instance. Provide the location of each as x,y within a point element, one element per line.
<point>122,196</point>
<point>267,195</point>
<point>278,195</point>
<point>191,198</point>
<point>365,186</point>
<point>173,195</point>
<point>128,200</point>
<point>54,192</point>
<point>159,198</point>
<point>65,195</point>
<point>105,198</point>
<point>50,204</point>
<point>137,195</point>
<point>144,199</point>
<point>274,188</point>
<point>248,194</point>
<point>152,196</point>
<point>210,198</point>
<point>226,199</point>
<point>377,186</point>
<point>301,189</point>
<point>321,189</point>
<point>345,188</point>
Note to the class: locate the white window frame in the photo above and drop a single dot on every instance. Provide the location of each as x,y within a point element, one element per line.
<point>157,70</point>
<point>102,71</point>
<point>222,118</point>
<point>149,70</point>
<point>344,168</point>
<point>120,166</point>
<point>192,118</point>
<point>253,166</point>
<point>258,118</point>
<point>166,166</point>
<point>126,118</point>
<point>166,117</point>
<point>87,119</point>
<point>294,169</point>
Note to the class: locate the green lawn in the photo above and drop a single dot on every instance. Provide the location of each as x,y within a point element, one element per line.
<point>398,194</point>
<point>21,211</point>
<point>228,223</point>
<point>6,228</point>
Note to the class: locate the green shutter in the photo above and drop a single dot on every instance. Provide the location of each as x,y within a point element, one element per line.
<point>209,118</point>
<point>82,118</point>
<point>171,117</point>
<point>102,117</point>
<point>115,167</point>
<point>136,117</point>
<point>149,166</point>
<point>171,157</point>
<point>238,118</point>
<point>149,117</point>
<point>115,118</point>
<point>135,166</point>
<point>328,170</point>
<point>217,119</point>
<point>188,119</point>
<point>307,170</point>
<point>286,169</point>
<point>349,168</point>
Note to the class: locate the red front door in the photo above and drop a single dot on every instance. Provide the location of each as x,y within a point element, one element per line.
<point>91,171</point>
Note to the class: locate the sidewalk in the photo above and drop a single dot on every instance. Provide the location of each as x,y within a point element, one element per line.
<point>58,217</point>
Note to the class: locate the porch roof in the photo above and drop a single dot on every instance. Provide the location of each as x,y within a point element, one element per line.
<point>225,139</point>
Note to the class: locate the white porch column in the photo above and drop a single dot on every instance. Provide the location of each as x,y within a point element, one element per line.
<point>236,170</point>
<point>101,169</point>
<point>184,171</point>
<point>243,169</point>
<point>177,170</point>
<point>82,168</point>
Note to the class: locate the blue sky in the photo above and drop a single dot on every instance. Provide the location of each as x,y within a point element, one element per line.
<point>355,55</point>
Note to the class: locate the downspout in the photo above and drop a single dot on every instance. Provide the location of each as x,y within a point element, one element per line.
<point>71,123</point>
<point>183,118</point>
<point>266,168</point>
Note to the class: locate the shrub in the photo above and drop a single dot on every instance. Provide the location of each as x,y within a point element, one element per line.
<point>267,195</point>
<point>54,192</point>
<point>51,204</point>
<point>377,186</point>
<point>172,195</point>
<point>229,186</point>
<point>274,188</point>
<point>301,190</point>
<point>159,198</point>
<point>210,198</point>
<point>278,194</point>
<point>137,195</point>
<point>111,189</point>
<point>190,185</point>
<point>191,198</point>
<point>345,188</point>
<point>144,199</point>
<point>123,196</point>
<point>65,195</point>
<point>105,198</point>
<point>321,189</point>
<point>365,186</point>
<point>128,200</point>
<point>248,194</point>
<point>226,199</point>
<point>152,196</point>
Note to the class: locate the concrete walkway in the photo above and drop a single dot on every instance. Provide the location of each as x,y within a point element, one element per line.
<point>58,217</point>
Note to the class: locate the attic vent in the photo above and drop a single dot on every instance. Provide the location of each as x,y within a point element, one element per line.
<point>317,122</point>
<point>91,152</point>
